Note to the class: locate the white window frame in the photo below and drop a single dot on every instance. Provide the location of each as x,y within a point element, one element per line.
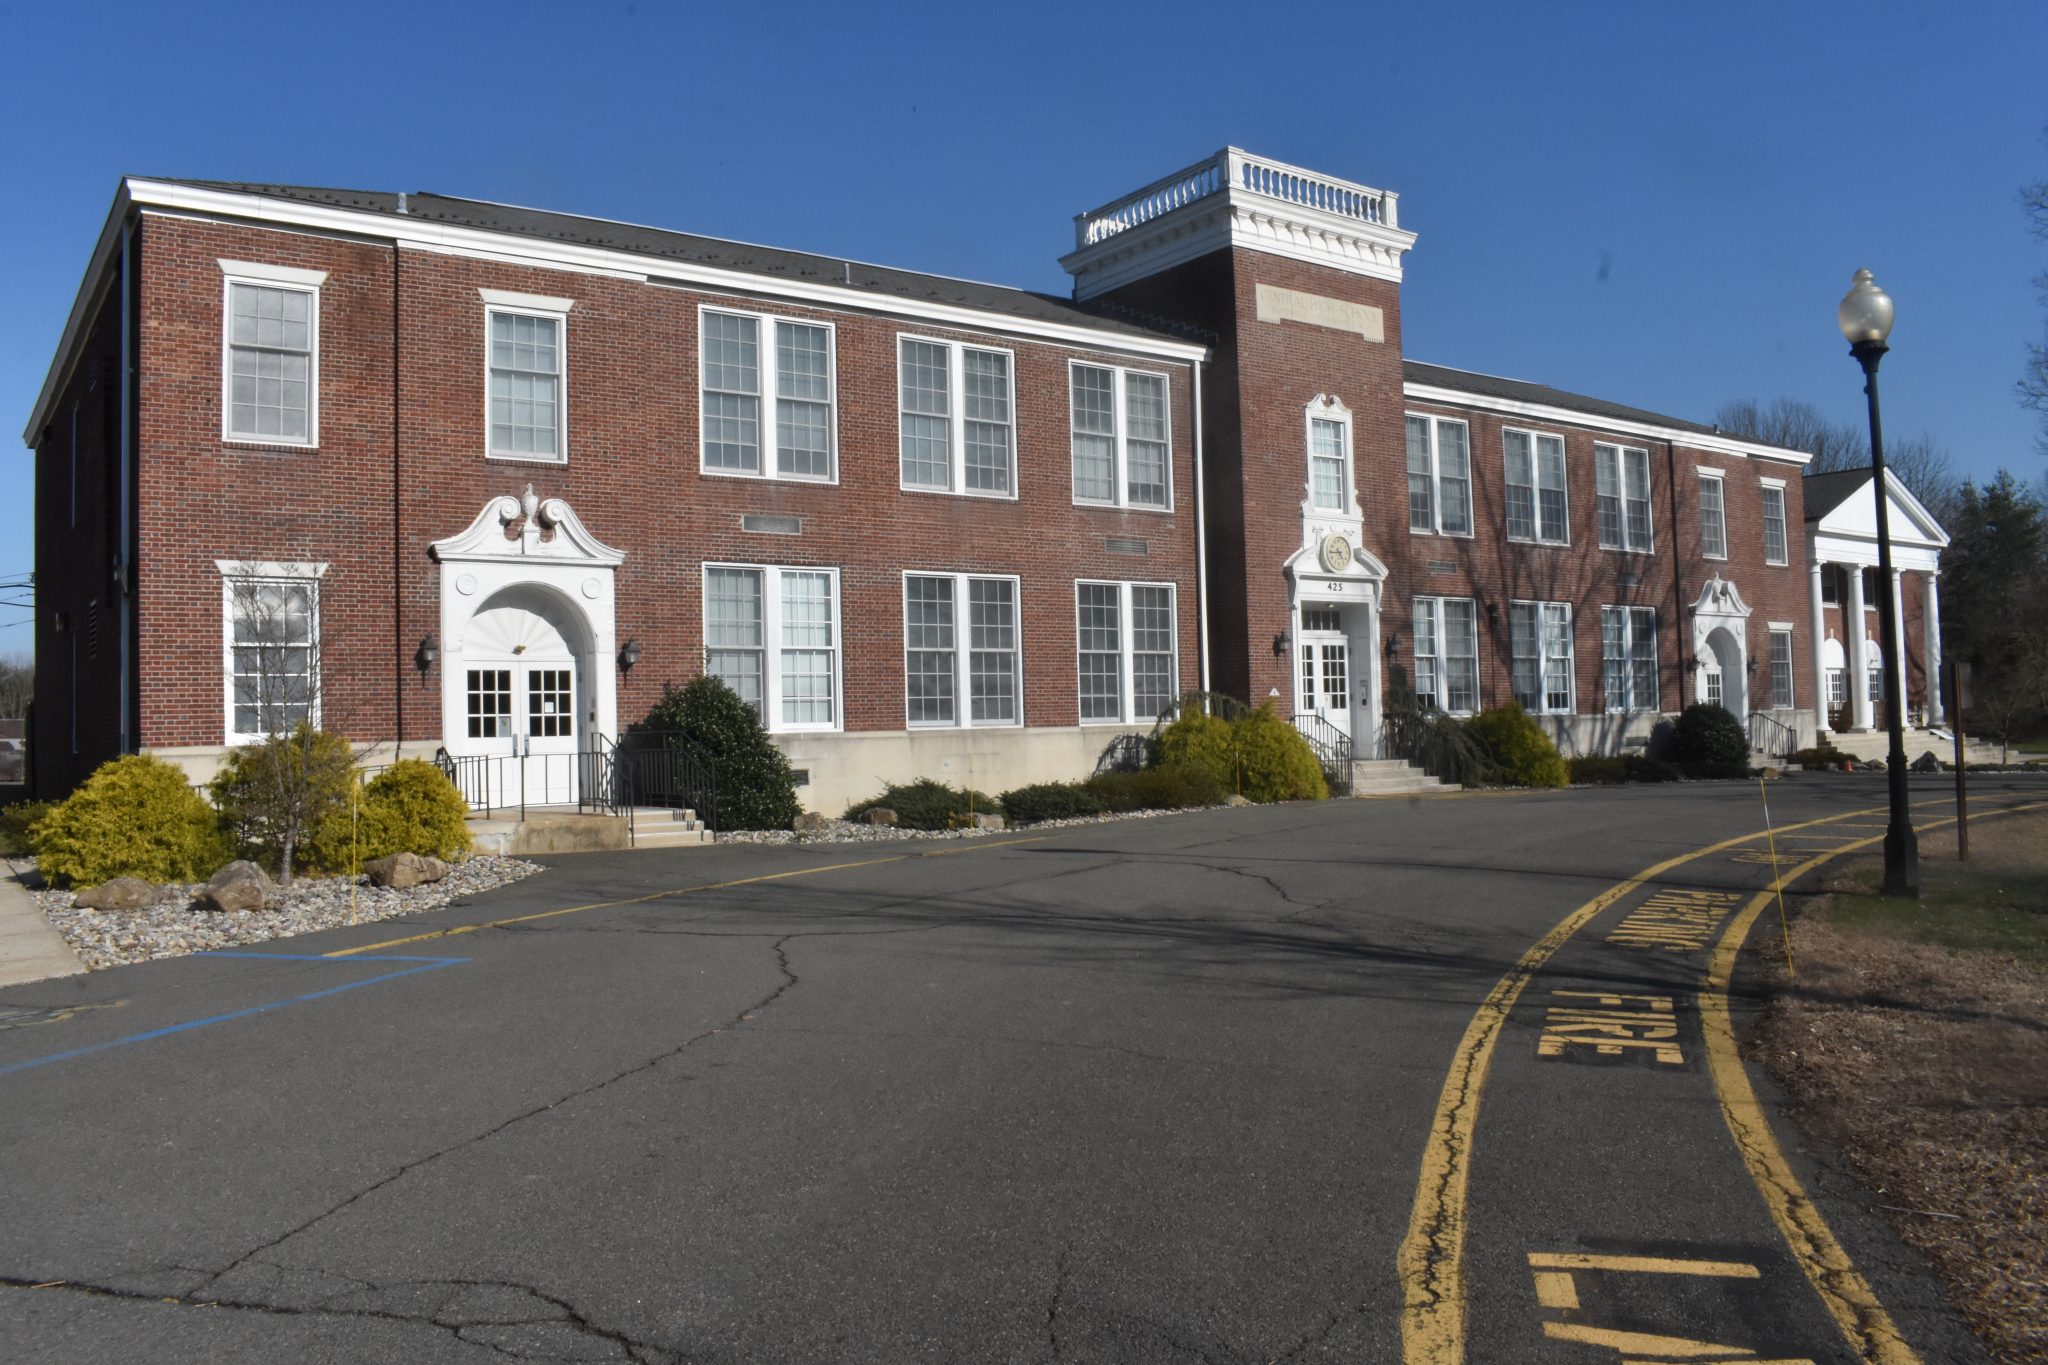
<point>237,574</point>
<point>1436,477</point>
<point>1432,610</point>
<point>1781,630</point>
<point>767,425</point>
<point>1127,650</point>
<point>262,275</point>
<point>1719,479</point>
<point>1120,477</point>
<point>956,417</point>
<point>772,646</point>
<point>1631,633</point>
<point>1542,536</point>
<point>1338,416</point>
<point>1603,452</point>
<point>1544,657</point>
<point>1832,586</point>
<point>546,306</point>
<point>963,651</point>
<point>1784,554</point>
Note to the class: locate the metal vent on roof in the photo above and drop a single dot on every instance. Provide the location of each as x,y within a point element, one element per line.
<point>1127,545</point>
<point>771,526</point>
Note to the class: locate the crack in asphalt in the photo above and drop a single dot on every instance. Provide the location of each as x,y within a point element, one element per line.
<point>1062,1274</point>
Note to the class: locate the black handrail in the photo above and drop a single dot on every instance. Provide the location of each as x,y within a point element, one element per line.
<point>668,768</point>
<point>1332,747</point>
<point>1772,728</point>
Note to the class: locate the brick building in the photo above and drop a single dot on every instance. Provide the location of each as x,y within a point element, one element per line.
<point>448,473</point>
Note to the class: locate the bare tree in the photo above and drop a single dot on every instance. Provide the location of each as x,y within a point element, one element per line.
<point>17,687</point>
<point>1919,461</point>
<point>2033,385</point>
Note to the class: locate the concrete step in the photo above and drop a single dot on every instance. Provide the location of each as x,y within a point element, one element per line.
<point>1871,744</point>
<point>1420,784</point>
<point>662,836</point>
<point>547,833</point>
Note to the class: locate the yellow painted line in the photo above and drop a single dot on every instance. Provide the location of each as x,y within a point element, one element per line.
<point>1664,1348</point>
<point>1643,1265</point>
<point>1847,1295</point>
<point>1555,1289</point>
<point>672,891</point>
<point>1431,1261</point>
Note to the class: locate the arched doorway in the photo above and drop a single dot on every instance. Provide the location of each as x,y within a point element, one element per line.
<point>1724,672</point>
<point>525,659</point>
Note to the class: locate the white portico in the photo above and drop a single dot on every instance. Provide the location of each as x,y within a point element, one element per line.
<point>1336,586</point>
<point>1841,540</point>
<point>1719,662</point>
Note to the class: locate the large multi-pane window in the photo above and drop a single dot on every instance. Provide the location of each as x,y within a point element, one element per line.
<point>1713,517</point>
<point>749,362</point>
<point>960,640</point>
<point>1121,442</point>
<point>1781,668</point>
<point>1622,483</point>
<point>1447,653</point>
<point>527,364</point>
<point>1535,479</point>
<point>1329,464</point>
<point>1774,524</point>
<point>272,619</point>
<point>956,418</point>
<point>773,635</point>
<point>1126,642</point>
<point>1628,657</point>
<point>1542,646</point>
<point>270,370</point>
<point>1439,476</point>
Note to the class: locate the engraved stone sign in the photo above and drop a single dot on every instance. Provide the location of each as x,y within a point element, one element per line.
<point>1292,305</point>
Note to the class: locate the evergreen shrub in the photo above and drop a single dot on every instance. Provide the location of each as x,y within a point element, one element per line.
<point>756,786</point>
<point>1049,801</point>
<point>136,816</point>
<point>1519,748</point>
<point>1708,741</point>
<point>285,800</point>
<point>1611,769</point>
<point>1202,740</point>
<point>15,822</point>
<point>411,807</point>
<point>928,804</point>
<point>1279,765</point>
<point>1161,788</point>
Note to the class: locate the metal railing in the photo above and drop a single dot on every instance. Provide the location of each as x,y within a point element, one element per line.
<point>1771,736</point>
<point>606,777</point>
<point>1333,748</point>
<point>666,768</point>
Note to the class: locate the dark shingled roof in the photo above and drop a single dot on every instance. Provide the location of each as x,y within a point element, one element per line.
<point>1826,492</point>
<point>772,262</point>
<point>1521,391</point>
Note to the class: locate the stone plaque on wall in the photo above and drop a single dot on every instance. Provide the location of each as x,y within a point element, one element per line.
<point>1292,305</point>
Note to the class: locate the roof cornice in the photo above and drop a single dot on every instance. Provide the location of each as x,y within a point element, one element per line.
<point>1547,412</point>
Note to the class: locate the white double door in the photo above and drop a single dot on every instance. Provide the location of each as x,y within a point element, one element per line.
<point>1326,678</point>
<point>522,704</point>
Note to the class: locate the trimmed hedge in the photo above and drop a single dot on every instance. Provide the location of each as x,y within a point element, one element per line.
<point>1161,788</point>
<point>1049,801</point>
<point>756,786</point>
<point>136,816</point>
<point>1519,748</point>
<point>928,804</point>
<point>1618,768</point>
<point>1708,741</point>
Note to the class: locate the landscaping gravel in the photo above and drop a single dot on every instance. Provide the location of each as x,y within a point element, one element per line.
<point>172,927</point>
<point>861,832</point>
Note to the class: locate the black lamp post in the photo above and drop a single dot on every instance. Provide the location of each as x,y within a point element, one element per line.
<point>1865,316</point>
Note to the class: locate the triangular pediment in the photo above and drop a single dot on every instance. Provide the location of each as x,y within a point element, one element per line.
<point>527,528</point>
<point>1855,517</point>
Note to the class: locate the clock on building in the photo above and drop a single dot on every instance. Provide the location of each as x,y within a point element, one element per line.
<point>1336,553</point>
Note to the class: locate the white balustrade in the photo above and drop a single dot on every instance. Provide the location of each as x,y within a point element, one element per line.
<point>1233,169</point>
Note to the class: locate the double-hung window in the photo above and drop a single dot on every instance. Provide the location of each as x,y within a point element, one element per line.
<point>1622,479</point>
<point>527,371</point>
<point>1774,523</point>
<point>1439,476</point>
<point>956,418</point>
<point>1781,668</point>
<point>773,635</point>
<point>271,615</point>
<point>960,635</point>
<point>1628,657</point>
<point>1713,516</point>
<point>1535,478</point>
<point>1126,642</point>
<point>270,362</point>
<point>1447,653</point>
<point>767,396</point>
<point>1542,645</point>
<point>1329,464</point>
<point>1121,444</point>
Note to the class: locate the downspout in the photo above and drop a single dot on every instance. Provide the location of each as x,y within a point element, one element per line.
<point>124,555</point>
<point>398,656</point>
<point>1678,630</point>
<point>1201,537</point>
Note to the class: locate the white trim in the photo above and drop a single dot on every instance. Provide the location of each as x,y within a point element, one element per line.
<point>273,274</point>
<point>766,423</point>
<point>1120,472</point>
<point>956,419</point>
<point>1126,627</point>
<point>525,303</point>
<point>963,650</point>
<point>560,317</point>
<point>1543,657</point>
<point>252,571</point>
<point>1543,412</point>
<point>1436,480</point>
<point>1784,555</point>
<point>1536,485</point>
<point>270,568</point>
<point>260,276</point>
<point>1706,474</point>
<point>1325,408</point>
<point>1440,658</point>
<point>771,641</point>
<point>1621,492</point>
<point>1629,635</point>
<point>1772,483</point>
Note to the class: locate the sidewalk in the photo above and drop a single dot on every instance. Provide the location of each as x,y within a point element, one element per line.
<point>30,950</point>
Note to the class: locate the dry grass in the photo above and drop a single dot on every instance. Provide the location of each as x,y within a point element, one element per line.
<point>1915,1038</point>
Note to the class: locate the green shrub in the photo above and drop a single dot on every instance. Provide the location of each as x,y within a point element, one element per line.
<point>14,825</point>
<point>1438,744</point>
<point>929,804</point>
<point>1818,757</point>
<point>756,786</point>
<point>1708,741</point>
<point>1279,765</point>
<point>1161,788</point>
<point>1203,740</point>
<point>1520,750</point>
<point>411,807</point>
<point>135,817</point>
<point>1049,801</point>
<point>1619,768</point>
<point>285,800</point>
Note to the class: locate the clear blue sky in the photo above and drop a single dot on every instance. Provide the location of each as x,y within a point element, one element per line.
<point>1654,203</point>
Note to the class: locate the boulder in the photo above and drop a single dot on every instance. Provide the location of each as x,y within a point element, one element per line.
<point>122,893</point>
<point>241,885</point>
<point>1927,763</point>
<point>880,815</point>
<point>1235,800</point>
<point>809,822</point>
<point>989,822</point>
<point>402,870</point>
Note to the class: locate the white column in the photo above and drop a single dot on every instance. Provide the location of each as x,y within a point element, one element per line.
<point>1899,664</point>
<point>1852,641</point>
<point>1820,668</point>
<point>1932,622</point>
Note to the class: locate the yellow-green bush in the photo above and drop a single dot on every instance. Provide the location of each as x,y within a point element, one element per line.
<point>281,799</point>
<point>1202,741</point>
<point>1521,751</point>
<point>410,807</point>
<point>1279,765</point>
<point>135,817</point>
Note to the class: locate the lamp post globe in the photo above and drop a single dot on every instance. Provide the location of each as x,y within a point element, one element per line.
<point>1865,317</point>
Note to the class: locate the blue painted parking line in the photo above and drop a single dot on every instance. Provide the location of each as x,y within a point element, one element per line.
<point>420,964</point>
